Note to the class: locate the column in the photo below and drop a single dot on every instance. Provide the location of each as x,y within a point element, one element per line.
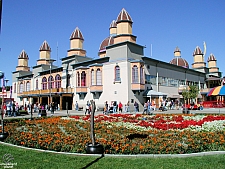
<point>60,104</point>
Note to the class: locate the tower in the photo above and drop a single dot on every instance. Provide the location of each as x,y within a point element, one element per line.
<point>45,54</point>
<point>23,62</point>
<point>76,43</point>
<point>213,69</point>
<point>124,28</point>
<point>199,63</point>
<point>113,28</point>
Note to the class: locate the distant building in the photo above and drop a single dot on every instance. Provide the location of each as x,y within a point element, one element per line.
<point>121,73</point>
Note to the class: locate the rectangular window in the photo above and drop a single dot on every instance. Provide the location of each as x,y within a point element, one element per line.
<point>99,77</point>
<point>92,78</point>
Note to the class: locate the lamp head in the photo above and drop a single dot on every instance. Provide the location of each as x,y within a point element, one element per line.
<point>1,74</point>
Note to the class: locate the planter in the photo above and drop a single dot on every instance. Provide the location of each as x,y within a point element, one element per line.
<point>3,136</point>
<point>94,149</point>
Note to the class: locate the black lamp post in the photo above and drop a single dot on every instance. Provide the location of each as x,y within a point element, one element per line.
<point>3,134</point>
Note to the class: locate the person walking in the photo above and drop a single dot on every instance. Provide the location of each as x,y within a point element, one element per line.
<point>120,107</point>
<point>76,106</point>
<point>136,107</point>
<point>145,108</point>
<point>87,108</point>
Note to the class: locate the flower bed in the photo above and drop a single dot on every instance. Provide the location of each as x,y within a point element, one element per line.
<point>123,134</point>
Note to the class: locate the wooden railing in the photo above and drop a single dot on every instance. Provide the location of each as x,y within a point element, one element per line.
<point>47,91</point>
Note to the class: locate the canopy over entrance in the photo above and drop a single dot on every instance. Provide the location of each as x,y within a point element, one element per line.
<point>153,93</point>
<point>217,91</point>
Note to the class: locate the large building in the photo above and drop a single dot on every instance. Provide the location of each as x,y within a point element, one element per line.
<point>121,73</point>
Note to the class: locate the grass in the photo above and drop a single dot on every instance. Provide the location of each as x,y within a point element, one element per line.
<point>31,159</point>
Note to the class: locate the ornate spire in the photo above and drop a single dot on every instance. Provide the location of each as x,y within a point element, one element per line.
<point>124,16</point>
<point>76,34</point>
<point>45,47</point>
<point>23,54</point>
<point>197,51</point>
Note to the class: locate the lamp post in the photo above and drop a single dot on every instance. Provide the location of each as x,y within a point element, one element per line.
<point>3,134</point>
<point>50,94</point>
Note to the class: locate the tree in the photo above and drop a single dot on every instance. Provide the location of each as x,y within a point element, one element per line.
<point>190,93</point>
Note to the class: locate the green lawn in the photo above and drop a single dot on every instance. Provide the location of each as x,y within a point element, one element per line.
<point>31,159</point>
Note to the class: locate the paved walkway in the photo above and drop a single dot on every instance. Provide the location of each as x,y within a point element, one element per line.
<point>74,112</point>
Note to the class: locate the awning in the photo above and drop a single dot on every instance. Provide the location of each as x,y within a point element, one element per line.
<point>172,95</point>
<point>149,93</point>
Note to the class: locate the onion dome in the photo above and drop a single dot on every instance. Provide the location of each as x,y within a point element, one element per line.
<point>45,46</point>
<point>179,62</point>
<point>76,34</point>
<point>211,58</point>
<point>113,24</point>
<point>197,51</point>
<point>23,54</point>
<point>106,42</point>
<point>123,16</point>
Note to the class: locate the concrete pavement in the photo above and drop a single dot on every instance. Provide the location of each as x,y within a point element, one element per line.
<point>74,112</point>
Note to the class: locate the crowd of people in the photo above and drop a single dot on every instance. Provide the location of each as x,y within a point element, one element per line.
<point>11,108</point>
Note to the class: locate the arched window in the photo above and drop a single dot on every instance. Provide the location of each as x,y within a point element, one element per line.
<point>142,78</point>
<point>14,90</point>
<point>57,81</point>
<point>83,78</point>
<point>98,77</point>
<point>78,79</point>
<point>134,74</point>
<point>37,84</point>
<point>28,86</point>
<point>117,73</point>
<point>68,80</point>
<point>92,77</point>
<point>21,87</point>
<point>44,83</point>
<point>50,82</point>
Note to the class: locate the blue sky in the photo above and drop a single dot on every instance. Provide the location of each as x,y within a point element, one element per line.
<point>164,24</point>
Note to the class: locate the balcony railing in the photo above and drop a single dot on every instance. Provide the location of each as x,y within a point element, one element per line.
<point>47,91</point>
<point>96,88</point>
<point>81,89</point>
<point>137,86</point>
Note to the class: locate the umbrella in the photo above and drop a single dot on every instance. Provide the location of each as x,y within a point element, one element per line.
<point>217,91</point>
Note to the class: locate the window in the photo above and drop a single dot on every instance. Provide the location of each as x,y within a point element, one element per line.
<point>14,90</point>
<point>117,73</point>
<point>28,86</point>
<point>57,81</point>
<point>21,87</point>
<point>92,77</point>
<point>78,79</point>
<point>50,82</point>
<point>68,80</point>
<point>83,79</point>
<point>150,79</point>
<point>98,77</point>
<point>37,84</point>
<point>134,74</point>
<point>142,75</point>
<point>44,83</point>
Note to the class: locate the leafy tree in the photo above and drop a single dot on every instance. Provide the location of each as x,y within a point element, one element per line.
<point>190,93</point>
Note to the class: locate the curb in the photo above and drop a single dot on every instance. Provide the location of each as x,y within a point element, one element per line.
<point>207,153</point>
